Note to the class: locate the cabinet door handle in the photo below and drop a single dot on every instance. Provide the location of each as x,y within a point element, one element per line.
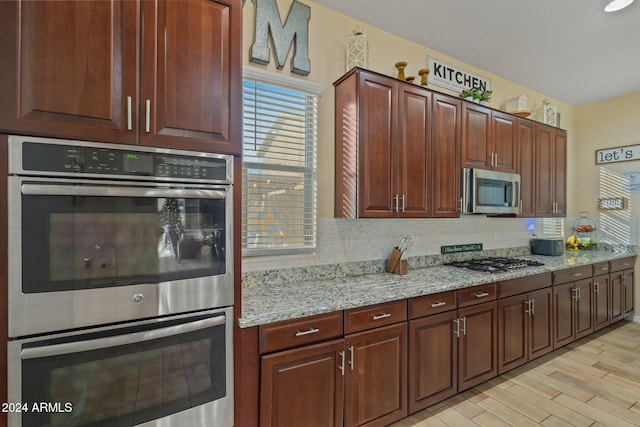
<point>307,332</point>
<point>495,161</point>
<point>147,126</point>
<point>528,307</point>
<point>457,329</point>
<point>403,196</point>
<point>596,287</point>
<point>129,114</point>
<point>438,304</point>
<point>351,356</point>
<point>464,325</point>
<point>341,367</point>
<point>480,294</point>
<point>395,203</point>
<point>574,291</point>
<point>380,316</point>
<point>533,307</point>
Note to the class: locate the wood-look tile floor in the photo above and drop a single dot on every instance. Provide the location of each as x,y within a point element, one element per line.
<point>594,381</point>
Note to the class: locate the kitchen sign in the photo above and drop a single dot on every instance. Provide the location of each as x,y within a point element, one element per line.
<point>618,154</point>
<point>456,79</point>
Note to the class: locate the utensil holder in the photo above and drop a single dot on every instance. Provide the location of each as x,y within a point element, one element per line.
<point>392,261</point>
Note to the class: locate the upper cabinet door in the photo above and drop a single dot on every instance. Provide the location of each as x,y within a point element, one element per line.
<point>477,149</point>
<point>190,75</point>
<point>445,146</point>
<point>503,132</point>
<point>68,69</point>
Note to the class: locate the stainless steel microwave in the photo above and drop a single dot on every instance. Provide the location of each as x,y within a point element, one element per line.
<point>490,192</point>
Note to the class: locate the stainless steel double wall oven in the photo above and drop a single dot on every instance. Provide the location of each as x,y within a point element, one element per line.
<point>120,284</point>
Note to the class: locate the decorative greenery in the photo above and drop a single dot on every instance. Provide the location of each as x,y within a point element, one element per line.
<point>468,92</point>
<point>486,95</point>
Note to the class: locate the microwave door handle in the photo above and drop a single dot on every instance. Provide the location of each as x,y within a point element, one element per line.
<point>104,191</point>
<point>94,344</point>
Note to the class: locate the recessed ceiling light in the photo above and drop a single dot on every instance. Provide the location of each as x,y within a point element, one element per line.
<point>617,5</point>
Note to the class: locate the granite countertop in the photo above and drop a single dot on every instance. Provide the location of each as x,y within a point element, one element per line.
<point>273,303</point>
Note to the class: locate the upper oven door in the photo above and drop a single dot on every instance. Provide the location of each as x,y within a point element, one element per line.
<point>88,252</point>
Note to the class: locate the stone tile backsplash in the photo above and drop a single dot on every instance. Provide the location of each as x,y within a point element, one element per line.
<point>353,247</point>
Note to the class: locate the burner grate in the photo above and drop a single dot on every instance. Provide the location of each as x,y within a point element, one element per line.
<point>495,264</point>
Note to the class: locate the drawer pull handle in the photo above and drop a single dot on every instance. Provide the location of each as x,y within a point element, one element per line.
<point>307,332</point>
<point>381,316</point>
<point>577,274</point>
<point>438,304</point>
<point>480,294</point>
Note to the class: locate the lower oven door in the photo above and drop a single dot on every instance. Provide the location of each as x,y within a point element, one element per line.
<point>171,372</point>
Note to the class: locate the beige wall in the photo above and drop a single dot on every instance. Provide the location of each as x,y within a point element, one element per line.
<point>328,31</point>
<point>610,123</point>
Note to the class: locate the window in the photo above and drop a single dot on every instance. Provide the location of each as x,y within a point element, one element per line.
<point>279,163</point>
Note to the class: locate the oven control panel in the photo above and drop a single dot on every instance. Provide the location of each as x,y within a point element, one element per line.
<point>93,160</point>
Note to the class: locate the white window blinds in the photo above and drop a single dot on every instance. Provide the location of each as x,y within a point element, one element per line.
<point>279,166</point>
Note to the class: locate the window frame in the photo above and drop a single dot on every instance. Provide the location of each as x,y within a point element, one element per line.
<point>310,195</point>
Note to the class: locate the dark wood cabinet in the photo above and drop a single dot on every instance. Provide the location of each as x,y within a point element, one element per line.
<point>477,344</point>
<point>573,305</point>
<point>414,152</point>
<point>551,170</point>
<point>358,380</point>
<point>376,378</point>
<point>383,169</point>
<point>303,384</point>
<point>525,328</point>
<point>433,360</point>
<point>526,154</point>
<point>488,138</point>
<point>446,146</point>
<point>162,73</point>
<point>71,83</point>
<point>601,301</point>
<point>190,75</point>
<point>622,282</point>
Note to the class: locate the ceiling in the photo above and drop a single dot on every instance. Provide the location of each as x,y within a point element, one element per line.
<point>569,50</point>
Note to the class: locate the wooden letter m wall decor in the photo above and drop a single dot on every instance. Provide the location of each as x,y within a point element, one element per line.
<point>294,32</point>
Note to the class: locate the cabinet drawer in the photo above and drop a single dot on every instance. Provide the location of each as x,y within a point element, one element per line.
<point>432,304</point>
<point>622,264</point>
<point>476,294</point>
<point>600,268</point>
<point>524,284</point>
<point>578,273</point>
<point>363,318</point>
<point>297,332</point>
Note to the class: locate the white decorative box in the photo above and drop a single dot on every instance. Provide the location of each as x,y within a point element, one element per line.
<point>519,103</point>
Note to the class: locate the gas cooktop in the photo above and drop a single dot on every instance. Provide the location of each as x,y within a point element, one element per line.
<point>495,264</point>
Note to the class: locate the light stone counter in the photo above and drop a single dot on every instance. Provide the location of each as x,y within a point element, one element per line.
<point>285,301</point>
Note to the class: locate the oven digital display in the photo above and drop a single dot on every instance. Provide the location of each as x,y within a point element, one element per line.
<point>137,163</point>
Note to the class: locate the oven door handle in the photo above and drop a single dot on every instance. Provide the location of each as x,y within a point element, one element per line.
<point>94,344</point>
<point>112,191</point>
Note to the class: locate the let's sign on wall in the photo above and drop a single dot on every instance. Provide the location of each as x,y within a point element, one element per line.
<point>294,32</point>
<point>618,154</point>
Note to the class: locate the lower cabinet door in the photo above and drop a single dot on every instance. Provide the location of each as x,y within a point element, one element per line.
<point>540,323</point>
<point>628,291</point>
<point>477,345</point>
<point>601,301</point>
<point>584,308</point>
<point>513,319</point>
<point>564,310</point>
<point>617,296</point>
<point>433,360</point>
<point>303,386</point>
<point>376,377</point>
